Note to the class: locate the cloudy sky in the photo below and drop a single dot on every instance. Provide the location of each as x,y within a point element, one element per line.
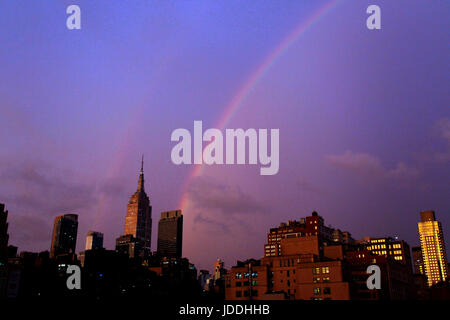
<point>363,116</point>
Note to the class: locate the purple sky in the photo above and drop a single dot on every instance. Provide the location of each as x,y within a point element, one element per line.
<point>363,116</point>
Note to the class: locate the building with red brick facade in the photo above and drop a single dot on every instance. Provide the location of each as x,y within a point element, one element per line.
<point>305,260</point>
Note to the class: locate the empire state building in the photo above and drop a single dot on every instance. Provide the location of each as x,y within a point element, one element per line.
<point>138,221</point>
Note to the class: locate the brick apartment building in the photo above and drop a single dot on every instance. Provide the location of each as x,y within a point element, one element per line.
<point>305,260</point>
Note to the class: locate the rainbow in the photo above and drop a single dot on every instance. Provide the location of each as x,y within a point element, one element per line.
<point>253,81</point>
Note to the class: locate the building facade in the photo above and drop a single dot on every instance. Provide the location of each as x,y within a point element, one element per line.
<point>170,234</point>
<point>397,249</point>
<point>247,280</point>
<point>309,226</point>
<point>94,240</point>
<point>64,236</point>
<point>433,248</point>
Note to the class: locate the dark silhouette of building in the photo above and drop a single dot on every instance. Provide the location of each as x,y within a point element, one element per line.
<point>418,260</point>
<point>94,240</point>
<point>433,248</point>
<point>138,221</point>
<point>204,280</point>
<point>395,276</point>
<point>128,245</point>
<point>4,237</point>
<point>170,234</point>
<point>64,236</point>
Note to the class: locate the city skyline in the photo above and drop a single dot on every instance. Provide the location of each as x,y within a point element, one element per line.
<point>176,213</point>
<point>338,261</point>
<point>174,219</point>
<point>363,117</point>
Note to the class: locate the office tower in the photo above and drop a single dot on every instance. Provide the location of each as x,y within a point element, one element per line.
<point>3,232</point>
<point>433,248</point>
<point>170,234</point>
<point>64,237</point>
<point>390,247</point>
<point>94,240</point>
<point>419,268</point>
<point>138,221</point>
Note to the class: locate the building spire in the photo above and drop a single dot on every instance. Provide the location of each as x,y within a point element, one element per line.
<point>141,177</point>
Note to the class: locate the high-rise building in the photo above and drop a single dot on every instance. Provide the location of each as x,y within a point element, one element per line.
<point>170,234</point>
<point>64,237</point>
<point>94,240</point>
<point>418,260</point>
<point>433,248</point>
<point>3,232</point>
<point>138,221</point>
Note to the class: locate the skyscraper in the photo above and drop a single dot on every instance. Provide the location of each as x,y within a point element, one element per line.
<point>433,248</point>
<point>94,240</point>
<point>138,221</point>
<point>170,234</point>
<point>3,232</point>
<point>64,237</point>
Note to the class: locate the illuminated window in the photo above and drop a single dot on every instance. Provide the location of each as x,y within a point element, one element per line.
<point>325,270</point>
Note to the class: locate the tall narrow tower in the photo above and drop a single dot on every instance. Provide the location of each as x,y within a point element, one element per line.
<point>170,234</point>
<point>64,238</point>
<point>138,221</point>
<point>433,248</point>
